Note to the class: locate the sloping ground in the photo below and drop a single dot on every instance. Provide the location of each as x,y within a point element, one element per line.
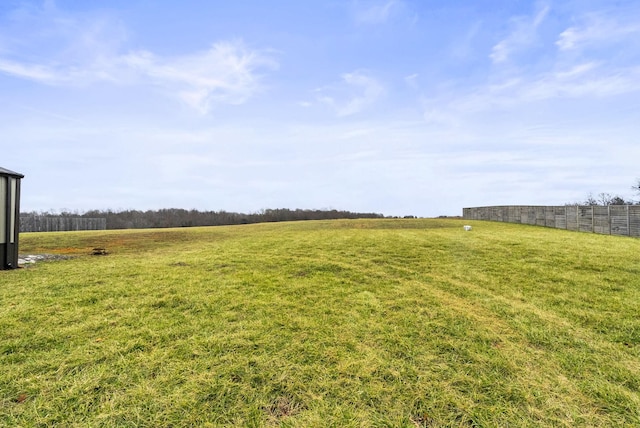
<point>335,323</point>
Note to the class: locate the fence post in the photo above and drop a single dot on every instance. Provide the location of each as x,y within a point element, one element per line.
<point>628,221</point>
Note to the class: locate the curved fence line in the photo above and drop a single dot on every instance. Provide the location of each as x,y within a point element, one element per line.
<point>621,220</point>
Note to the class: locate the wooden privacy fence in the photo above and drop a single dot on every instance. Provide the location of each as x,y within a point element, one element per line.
<point>609,220</point>
<point>59,224</point>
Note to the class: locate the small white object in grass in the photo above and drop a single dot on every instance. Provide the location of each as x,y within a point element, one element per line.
<point>467,227</point>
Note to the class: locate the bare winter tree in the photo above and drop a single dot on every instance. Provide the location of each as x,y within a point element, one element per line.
<point>604,198</point>
<point>636,187</point>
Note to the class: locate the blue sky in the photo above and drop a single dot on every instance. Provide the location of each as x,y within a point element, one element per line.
<point>400,107</point>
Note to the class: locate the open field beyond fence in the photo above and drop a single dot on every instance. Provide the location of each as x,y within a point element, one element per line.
<point>359,323</point>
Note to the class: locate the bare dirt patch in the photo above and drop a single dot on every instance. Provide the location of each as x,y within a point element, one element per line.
<point>30,259</point>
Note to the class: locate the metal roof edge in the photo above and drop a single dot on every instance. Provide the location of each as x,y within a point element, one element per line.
<point>4,171</point>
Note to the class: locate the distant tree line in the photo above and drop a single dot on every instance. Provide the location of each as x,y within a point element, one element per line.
<point>176,217</point>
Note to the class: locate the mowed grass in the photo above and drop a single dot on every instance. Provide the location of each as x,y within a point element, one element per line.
<point>360,323</point>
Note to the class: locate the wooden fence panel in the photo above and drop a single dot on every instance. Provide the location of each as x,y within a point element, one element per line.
<point>560,217</point>
<point>540,216</point>
<point>634,220</point>
<point>550,216</point>
<point>601,220</point>
<point>609,220</point>
<point>572,218</point>
<point>585,219</point>
<point>514,214</point>
<point>532,216</point>
<point>524,215</point>
<point>619,219</point>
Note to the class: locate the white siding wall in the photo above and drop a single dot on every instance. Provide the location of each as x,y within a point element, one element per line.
<point>3,210</point>
<point>13,184</point>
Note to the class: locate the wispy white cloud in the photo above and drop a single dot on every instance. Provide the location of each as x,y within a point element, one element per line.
<point>356,92</point>
<point>462,47</point>
<point>441,117</point>
<point>377,12</point>
<point>411,80</point>
<point>59,48</point>
<point>227,73</point>
<point>31,33</point>
<point>579,83</point>
<point>589,74</point>
<point>33,72</point>
<point>595,29</point>
<point>583,81</point>
<point>522,35</point>
<point>88,51</point>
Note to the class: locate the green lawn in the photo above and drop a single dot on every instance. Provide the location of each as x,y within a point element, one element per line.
<point>359,323</point>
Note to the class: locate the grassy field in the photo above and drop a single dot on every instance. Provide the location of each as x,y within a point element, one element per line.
<point>362,323</point>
